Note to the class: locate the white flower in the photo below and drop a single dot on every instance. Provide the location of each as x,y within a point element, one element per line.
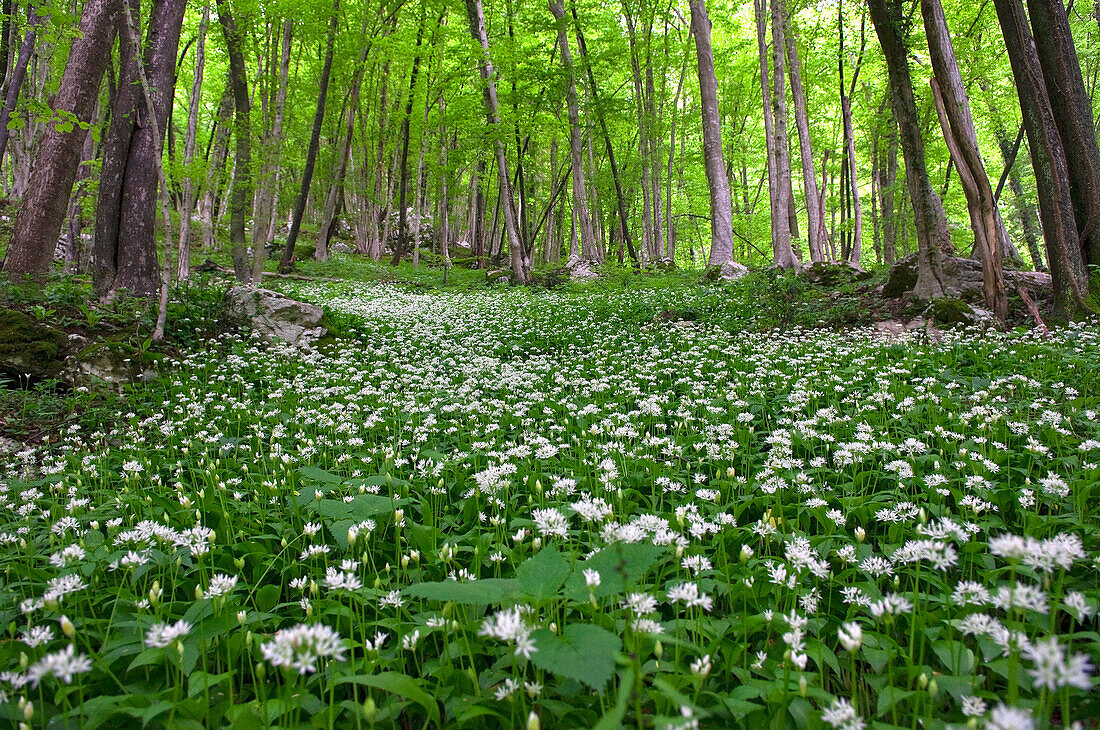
<point>850,636</point>
<point>1004,717</point>
<point>302,647</point>
<point>162,635</point>
<point>1054,669</point>
<point>841,714</point>
<point>61,664</point>
<point>221,585</point>
<point>591,577</point>
<point>550,522</point>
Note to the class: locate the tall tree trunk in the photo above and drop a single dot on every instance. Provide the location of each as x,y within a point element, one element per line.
<point>887,185</point>
<point>721,205</point>
<point>19,74</point>
<point>929,217</point>
<point>217,152</point>
<point>782,252</point>
<point>262,233</point>
<point>953,107</point>
<point>183,268</point>
<point>856,249</point>
<point>815,228</point>
<point>406,121</point>
<point>242,128</point>
<point>593,90</point>
<point>126,215</point>
<point>588,248</point>
<point>38,222</point>
<point>521,272</point>
<point>286,264</point>
<point>1073,117</point>
<point>648,244</point>
<point>1048,156</point>
<point>328,214</point>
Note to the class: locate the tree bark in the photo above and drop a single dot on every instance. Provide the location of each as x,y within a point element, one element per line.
<point>721,205</point>
<point>953,108</point>
<point>782,252</point>
<point>38,222</point>
<point>815,226</point>
<point>1048,156</point>
<point>262,232</point>
<point>183,268</point>
<point>521,272</point>
<point>406,122</point>
<point>929,217</point>
<point>19,74</point>
<point>588,249</point>
<point>286,264</point>
<point>242,129</point>
<point>1073,118</point>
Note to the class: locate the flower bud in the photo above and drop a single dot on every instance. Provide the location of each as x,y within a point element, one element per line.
<point>533,721</point>
<point>658,650</point>
<point>861,534</point>
<point>802,685</point>
<point>239,563</point>
<point>28,711</point>
<point>24,660</point>
<point>242,616</point>
<point>67,627</point>
<point>370,709</point>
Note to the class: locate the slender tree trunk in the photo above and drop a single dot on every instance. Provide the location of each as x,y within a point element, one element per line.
<point>815,230</point>
<point>402,213</point>
<point>286,264</point>
<point>1064,252</point>
<point>38,223</point>
<point>216,154</point>
<point>19,74</point>
<point>782,252</point>
<point>929,216</point>
<point>953,107</point>
<point>721,204</point>
<point>521,272</point>
<point>183,271</point>
<point>886,194</point>
<point>648,245</point>
<point>242,126</point>
<point>589,250</point>
<point>262,232</point>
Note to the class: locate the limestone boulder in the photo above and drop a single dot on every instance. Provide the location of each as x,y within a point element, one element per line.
<point>729,271</point>
<point>274,316</point>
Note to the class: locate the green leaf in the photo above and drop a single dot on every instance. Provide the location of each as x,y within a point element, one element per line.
<point>613,718</point>
<point>620,566</point>
<point>268,597</point>
<point>956,656</point>
<point>313,474</point>
<point>475,592</point>
<point>400,684</point>
<point>583,652</point>
<point>543,574</point>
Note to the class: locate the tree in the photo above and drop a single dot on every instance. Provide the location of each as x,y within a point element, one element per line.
<point>242,129</point>
<point>931,221</point>
<point>1048,158</point>
<point>953,106</point>
<point>287,261</point>
<point>19,73</point>
<point>588,249</point>
<point>521,271</point>
<point>815,226</point>
<point>721,205</point>
<point>782,252</point>
<point>126,213</point>
<point>38,223</point>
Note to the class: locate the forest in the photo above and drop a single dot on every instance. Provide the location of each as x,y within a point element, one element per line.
<point>504,364</point>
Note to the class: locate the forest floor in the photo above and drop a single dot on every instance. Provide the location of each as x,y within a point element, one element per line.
<point>637,501</point>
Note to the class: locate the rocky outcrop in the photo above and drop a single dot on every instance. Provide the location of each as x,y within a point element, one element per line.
<point>729,271</point>
<point>271,315</point>
<point>29,351</point>
<point>962,278</point>
<point>831,274</point>
<point>582,269</point>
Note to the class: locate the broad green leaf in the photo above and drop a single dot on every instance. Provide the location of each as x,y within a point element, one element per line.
<point>400,684</point>
<point>583,652</point>
<point>489,590</point>
<point>313,474</point>
<point>268,597</point>
<point>541,575</point>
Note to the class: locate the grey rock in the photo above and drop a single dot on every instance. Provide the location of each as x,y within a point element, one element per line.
<point>579,268</point>
<point>274,316</point>
<point>341,248</point>
<point>830,274</point>
<point>729,271</point>
<point>962,277</point>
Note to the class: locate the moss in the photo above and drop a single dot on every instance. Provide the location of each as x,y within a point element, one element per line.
<point>948,311</point>
<point>29,347</point>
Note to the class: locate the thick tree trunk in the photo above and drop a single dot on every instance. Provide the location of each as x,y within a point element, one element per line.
<point>815,227</point>
<point>38,223</point>
<point>242,127</point>
<point>262,232</point>
<point>521,272</point>
<point>183,268</point>
<point>929,216</point>
<point>782,252</point>
<point>1073,117</point>
<point>286,264</point>
<point>1048,156</point>
<point>588,248</point>
<point>721,205</point>
<point>953,107</point>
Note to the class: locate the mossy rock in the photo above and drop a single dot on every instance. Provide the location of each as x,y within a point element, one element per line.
<point>947,311</point>
<point>29,348</point>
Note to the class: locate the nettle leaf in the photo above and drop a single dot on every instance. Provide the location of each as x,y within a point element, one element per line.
<point>582,652</point>
<point>475,592</point>
<point>543,574</point>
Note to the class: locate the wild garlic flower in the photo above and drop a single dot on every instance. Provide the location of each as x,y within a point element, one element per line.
<point>302,648</point>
